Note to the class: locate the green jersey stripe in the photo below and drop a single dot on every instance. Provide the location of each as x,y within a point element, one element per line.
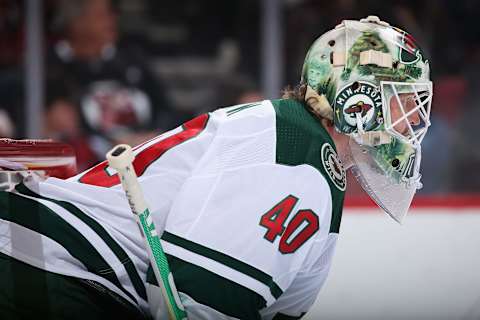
<point>226,260</point>
<point>35,216</point>
<point>30,292</point>
<point>242,107</point>
<point>213,290</point>
<point>102,233</point>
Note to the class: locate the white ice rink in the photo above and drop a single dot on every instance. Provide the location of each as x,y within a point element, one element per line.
<point>428,268</point>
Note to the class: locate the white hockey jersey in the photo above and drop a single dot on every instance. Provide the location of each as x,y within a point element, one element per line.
<point>249,199</point>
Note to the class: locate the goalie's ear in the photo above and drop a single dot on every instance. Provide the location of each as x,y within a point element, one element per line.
<point>54,159</point>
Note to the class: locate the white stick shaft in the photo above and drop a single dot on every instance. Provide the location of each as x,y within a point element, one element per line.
<point>123,163</point>
<point>121,159</point>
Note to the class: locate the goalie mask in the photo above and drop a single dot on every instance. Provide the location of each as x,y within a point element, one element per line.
<point>372,81</point>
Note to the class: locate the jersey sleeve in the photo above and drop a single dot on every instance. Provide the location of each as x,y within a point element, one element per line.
<point>175,151</point>
<point>162,164</point>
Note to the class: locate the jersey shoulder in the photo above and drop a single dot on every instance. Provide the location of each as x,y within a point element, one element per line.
<point>301,139</point>
<point>244,119</point>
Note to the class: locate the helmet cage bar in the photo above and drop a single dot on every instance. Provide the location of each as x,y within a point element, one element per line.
<point>419,102</point>
<point>422,108</point>
<point>421,111</point>
<point>413,133</point>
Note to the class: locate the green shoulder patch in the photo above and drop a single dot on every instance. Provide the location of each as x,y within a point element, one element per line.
<point>300,139</point>
<point>333,167</point>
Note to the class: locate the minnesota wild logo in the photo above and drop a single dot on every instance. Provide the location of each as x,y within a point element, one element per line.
<point>362,98</point>
<point>333,166</point>
<point>410,52</point>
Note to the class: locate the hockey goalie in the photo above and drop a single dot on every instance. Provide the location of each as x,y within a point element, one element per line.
<point>247,199</point>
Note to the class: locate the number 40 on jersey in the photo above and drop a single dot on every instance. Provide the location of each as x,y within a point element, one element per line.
<point>300,228</point>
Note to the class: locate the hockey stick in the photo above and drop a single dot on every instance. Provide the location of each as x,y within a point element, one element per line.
<point>121,158</point>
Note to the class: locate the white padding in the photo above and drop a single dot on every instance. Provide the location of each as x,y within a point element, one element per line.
<point>378,58</point>
<point>338,58</point>
<point>373,138</point>
<point>374,19</point>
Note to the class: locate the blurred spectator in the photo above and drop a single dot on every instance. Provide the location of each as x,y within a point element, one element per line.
<point>62,123</point>
<point>6,125</point>
<point>110,93</point>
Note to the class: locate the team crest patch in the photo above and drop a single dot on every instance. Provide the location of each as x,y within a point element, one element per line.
<point>333,166</point>
<point>360,98</point>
